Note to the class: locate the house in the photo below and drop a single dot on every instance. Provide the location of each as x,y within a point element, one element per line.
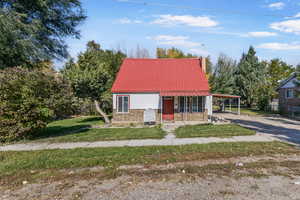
<point>288,100</point>
<point>173,89</point>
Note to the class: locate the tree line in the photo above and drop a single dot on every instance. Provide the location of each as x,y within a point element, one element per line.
<point>255,81</point>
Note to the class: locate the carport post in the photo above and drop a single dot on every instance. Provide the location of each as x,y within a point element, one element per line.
<point>239,106</point>
<point>161,109</point>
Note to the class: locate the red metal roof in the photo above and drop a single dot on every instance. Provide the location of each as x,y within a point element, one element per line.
<point>161,75</point>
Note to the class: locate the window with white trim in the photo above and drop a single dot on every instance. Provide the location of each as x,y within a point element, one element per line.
<point>122,104</point>
<point>289,93</point>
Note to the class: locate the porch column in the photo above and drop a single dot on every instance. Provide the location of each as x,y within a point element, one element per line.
<point>239,106</point>
<point>161,109</point>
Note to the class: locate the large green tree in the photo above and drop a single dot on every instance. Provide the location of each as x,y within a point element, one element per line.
<point>29,99</point>
<point>278,70</point>
<point>222,81</point>
<point>35,30</point>
<point>93,74</point>
<point>250,76</point>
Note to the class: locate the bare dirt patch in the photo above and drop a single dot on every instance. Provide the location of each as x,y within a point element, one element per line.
<point>259,177</point>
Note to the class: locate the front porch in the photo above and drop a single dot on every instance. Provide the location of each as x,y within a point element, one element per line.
<point>183,109</point>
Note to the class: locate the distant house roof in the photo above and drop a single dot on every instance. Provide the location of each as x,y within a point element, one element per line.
<point>284,82</point>
<point>169,77</point>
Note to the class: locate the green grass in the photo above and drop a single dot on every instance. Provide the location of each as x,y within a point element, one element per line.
<point>105,134</point>
<point>247,111</point>
<point>210,130</point>
<point>79,130</point>
<point>61,127</point>
<point>252,112</point>
<point>20,162</point>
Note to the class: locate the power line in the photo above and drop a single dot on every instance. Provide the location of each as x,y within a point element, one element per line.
<point>233,12</point>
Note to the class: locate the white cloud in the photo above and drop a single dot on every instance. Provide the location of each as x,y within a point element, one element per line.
<point>129,21</point>
<point>280,46</point>
<point>174,41</point>
<point>288,26</point>
<point>261,34</point>
<point>294,17</point>
<point>200,52</point>
<point>277,5</point>
<point>188,20</point>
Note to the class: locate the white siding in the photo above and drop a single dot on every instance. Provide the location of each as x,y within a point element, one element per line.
<point>208,104</point>
<point>140,100</point>
<point>290,84</point>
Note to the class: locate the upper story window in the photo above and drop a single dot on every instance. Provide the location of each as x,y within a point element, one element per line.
<point>289,93</point>
<point>122,104</point>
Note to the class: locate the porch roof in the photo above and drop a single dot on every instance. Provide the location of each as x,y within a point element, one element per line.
<point>227,96</point>
<point>185,93</point>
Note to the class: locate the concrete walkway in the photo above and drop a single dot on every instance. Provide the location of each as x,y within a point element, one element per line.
<point>134,143</point>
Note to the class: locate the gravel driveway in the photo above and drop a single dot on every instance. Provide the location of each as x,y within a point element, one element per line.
<point>278,127</point>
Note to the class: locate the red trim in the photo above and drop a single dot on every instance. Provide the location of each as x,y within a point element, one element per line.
<point>225,96</point>
<point>185,93</point>
<point>118,100</point>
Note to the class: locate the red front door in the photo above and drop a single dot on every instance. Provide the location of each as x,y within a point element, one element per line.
<point>168,109</point>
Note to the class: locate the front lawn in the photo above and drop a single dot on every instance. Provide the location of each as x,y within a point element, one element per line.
<point>246,111</point>
<point>80,130</point>
<point>210,130</point>
<point>65,126</point>
<point>105,134</point>
<point>253,112</point>
<point>21,162</point>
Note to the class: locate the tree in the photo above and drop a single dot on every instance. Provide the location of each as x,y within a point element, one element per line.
<point>222,80</point>
<point>29,99</point>
<point>209,66</point>
<point>34,30</point>
<point>278,70</point>
<point>139,52</point>
<point>93,74</point>
<point>250,76</point>
<point>172,53</point>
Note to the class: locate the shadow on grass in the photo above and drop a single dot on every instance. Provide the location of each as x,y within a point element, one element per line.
<point>92,119</point>
<point>56,131</point>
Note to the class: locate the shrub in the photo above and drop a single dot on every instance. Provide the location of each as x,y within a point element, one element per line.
<point>29,99</point>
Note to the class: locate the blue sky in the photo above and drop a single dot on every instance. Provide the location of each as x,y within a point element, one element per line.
<point>196,26</point>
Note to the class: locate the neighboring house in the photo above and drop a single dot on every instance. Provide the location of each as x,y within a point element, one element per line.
<point>288,100</point>
<point>172,89</point>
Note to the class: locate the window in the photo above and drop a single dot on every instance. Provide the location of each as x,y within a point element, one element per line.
<point>201,104</point>
<point>122,104</point>
<point>181,104</point>
<point>191,104</point>
<point>289,93</point>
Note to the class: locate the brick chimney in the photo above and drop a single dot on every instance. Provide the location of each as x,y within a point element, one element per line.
<point>203,64</point>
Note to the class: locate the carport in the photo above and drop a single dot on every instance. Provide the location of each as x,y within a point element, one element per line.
<point>231,99</point>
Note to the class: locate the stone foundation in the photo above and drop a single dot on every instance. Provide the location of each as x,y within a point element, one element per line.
<point>201,116</point>
<point>137,116</point>
<point>133,116</point>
